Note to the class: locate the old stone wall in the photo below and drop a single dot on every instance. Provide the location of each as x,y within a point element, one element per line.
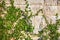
<point>50,8</point>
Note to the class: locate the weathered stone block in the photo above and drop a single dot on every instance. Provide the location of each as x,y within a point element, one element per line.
<point>50,2</point>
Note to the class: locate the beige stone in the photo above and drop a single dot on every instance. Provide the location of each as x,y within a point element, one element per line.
<point>50,2</point>
<point>58,10</point>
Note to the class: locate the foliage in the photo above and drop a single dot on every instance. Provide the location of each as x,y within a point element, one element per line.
<point>50,32</point>
<point>16,24</point>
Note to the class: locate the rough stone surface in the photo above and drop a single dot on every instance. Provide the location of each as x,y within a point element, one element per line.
<point>50,8</point>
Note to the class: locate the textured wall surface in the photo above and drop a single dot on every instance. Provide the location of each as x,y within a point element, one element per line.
<point>50,8</point>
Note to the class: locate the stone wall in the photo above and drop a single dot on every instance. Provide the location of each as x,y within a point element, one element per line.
<point>50,8</point>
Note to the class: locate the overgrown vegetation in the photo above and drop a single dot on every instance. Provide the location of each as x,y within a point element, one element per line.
<point>15,24</point>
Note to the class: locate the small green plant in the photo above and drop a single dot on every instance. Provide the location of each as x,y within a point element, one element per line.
<point>16,24</point>
<point>50,32</point>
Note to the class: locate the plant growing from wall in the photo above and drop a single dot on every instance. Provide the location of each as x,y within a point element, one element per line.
<point>15,24</point>
<point>50,32</point>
